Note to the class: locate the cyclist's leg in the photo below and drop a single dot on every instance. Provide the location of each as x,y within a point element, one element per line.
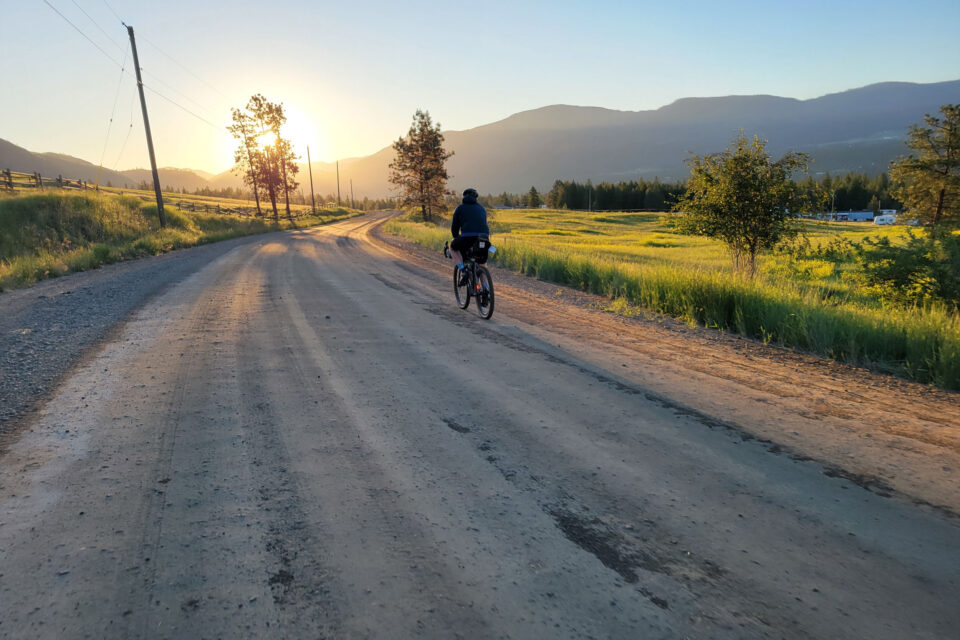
<point>455,250</point>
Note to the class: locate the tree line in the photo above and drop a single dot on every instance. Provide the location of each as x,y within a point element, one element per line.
<point>633,194</point>
<point>847,192</point>
<point>854,192</point>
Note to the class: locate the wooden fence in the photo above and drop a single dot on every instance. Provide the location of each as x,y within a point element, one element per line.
<point>14,180</point>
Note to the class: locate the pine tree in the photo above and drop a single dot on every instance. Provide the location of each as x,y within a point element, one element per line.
<point>419,166</point>
<point>928,183</point>
<point>533,198</point>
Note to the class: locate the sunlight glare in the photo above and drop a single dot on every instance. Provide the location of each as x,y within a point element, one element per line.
<point>301,130</point>
<point>266,139</point>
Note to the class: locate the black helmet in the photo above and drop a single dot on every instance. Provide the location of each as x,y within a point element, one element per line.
<point>471,192</point>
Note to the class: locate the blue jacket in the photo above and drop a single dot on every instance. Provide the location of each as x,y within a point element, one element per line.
<point>469,219</point>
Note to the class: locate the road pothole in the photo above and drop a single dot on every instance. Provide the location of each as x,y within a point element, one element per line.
<point>456,426</point>
<point>610,549</point>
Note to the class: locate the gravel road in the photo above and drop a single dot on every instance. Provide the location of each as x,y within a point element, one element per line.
<point>300,435</point>
<point>46,328</point>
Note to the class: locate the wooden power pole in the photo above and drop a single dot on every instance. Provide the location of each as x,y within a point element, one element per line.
<point>338,183</point>
<point>352,205</point>
<point>313,203</point>
<point>146,127</point>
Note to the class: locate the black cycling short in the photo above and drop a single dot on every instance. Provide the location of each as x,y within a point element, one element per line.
<point>463,242</point>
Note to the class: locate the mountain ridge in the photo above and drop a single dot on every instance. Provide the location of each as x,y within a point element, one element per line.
<point>860,129</point>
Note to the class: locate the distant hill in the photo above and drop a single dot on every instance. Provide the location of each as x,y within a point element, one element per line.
<point>171,178</point>
<point>858,130</point>
<point>56,164</point>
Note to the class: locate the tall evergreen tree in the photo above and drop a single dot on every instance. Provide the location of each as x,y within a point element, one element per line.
<point>929,182</point>
<point>553,196</point>
<point>419,167</point>
<point>533,198</point>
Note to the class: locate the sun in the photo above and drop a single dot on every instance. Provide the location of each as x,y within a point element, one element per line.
<point>301,131</point>
<point>266,139</point>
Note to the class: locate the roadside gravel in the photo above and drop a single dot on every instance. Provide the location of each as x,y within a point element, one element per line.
<point>46,329</point>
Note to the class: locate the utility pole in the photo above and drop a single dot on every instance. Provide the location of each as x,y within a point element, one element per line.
<point>338,183</point>
<point>352,205</point>
<point>313,203</point>
<point>146,127</point>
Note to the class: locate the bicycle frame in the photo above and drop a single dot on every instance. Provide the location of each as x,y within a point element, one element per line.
<point>478,286</point>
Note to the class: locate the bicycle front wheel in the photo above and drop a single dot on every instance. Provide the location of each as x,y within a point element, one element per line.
<point>484,293</point>
<point>462,291</point>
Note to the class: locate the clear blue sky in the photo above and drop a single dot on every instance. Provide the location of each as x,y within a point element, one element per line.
<point>353,73</point>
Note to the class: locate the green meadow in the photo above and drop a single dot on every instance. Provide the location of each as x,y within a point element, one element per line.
<point>48,234</point>
<point>809,298</point>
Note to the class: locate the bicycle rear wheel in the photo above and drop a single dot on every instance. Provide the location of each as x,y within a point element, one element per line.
<point>484,293</point>
<point>461,291</point>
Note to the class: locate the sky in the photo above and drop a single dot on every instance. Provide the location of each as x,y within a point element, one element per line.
<point>351,74</point>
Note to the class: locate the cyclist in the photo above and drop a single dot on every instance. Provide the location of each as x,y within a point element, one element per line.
<point>469,223</point>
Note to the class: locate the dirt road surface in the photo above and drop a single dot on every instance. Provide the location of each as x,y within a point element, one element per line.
<point>306,438</point>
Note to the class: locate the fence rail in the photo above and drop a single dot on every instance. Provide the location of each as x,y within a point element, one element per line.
<point>14,180</point>
<point>18,180</point>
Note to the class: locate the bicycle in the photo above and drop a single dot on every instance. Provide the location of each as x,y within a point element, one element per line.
<point>474,281</point>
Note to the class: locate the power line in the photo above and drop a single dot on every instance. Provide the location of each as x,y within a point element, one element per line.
<point>157,47</point>
<point>97,25</point>
<point>112,11</point>
<point>123,66</point>
<point>176,104</point>
<point>46,2</point>
<point>176,62</point>
<point>113,111</point>
<point>129,131</point>
<point>179,93</point>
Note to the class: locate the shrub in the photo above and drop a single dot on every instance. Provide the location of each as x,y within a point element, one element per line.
<point>800,248</point>
<point>924,270</point>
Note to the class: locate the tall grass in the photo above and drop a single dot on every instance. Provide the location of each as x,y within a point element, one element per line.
<point>921,344</point>
<point>54,233</point>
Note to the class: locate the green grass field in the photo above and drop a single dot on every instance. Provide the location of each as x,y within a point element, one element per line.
<point>810,303</point>
<point>54,232</point>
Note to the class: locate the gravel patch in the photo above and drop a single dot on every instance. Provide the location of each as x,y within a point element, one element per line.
<point>46,329</point>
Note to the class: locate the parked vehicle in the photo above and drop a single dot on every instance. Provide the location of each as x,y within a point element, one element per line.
<point>851,216</point>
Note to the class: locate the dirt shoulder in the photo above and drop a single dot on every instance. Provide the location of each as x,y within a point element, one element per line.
<point>894,437</point>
